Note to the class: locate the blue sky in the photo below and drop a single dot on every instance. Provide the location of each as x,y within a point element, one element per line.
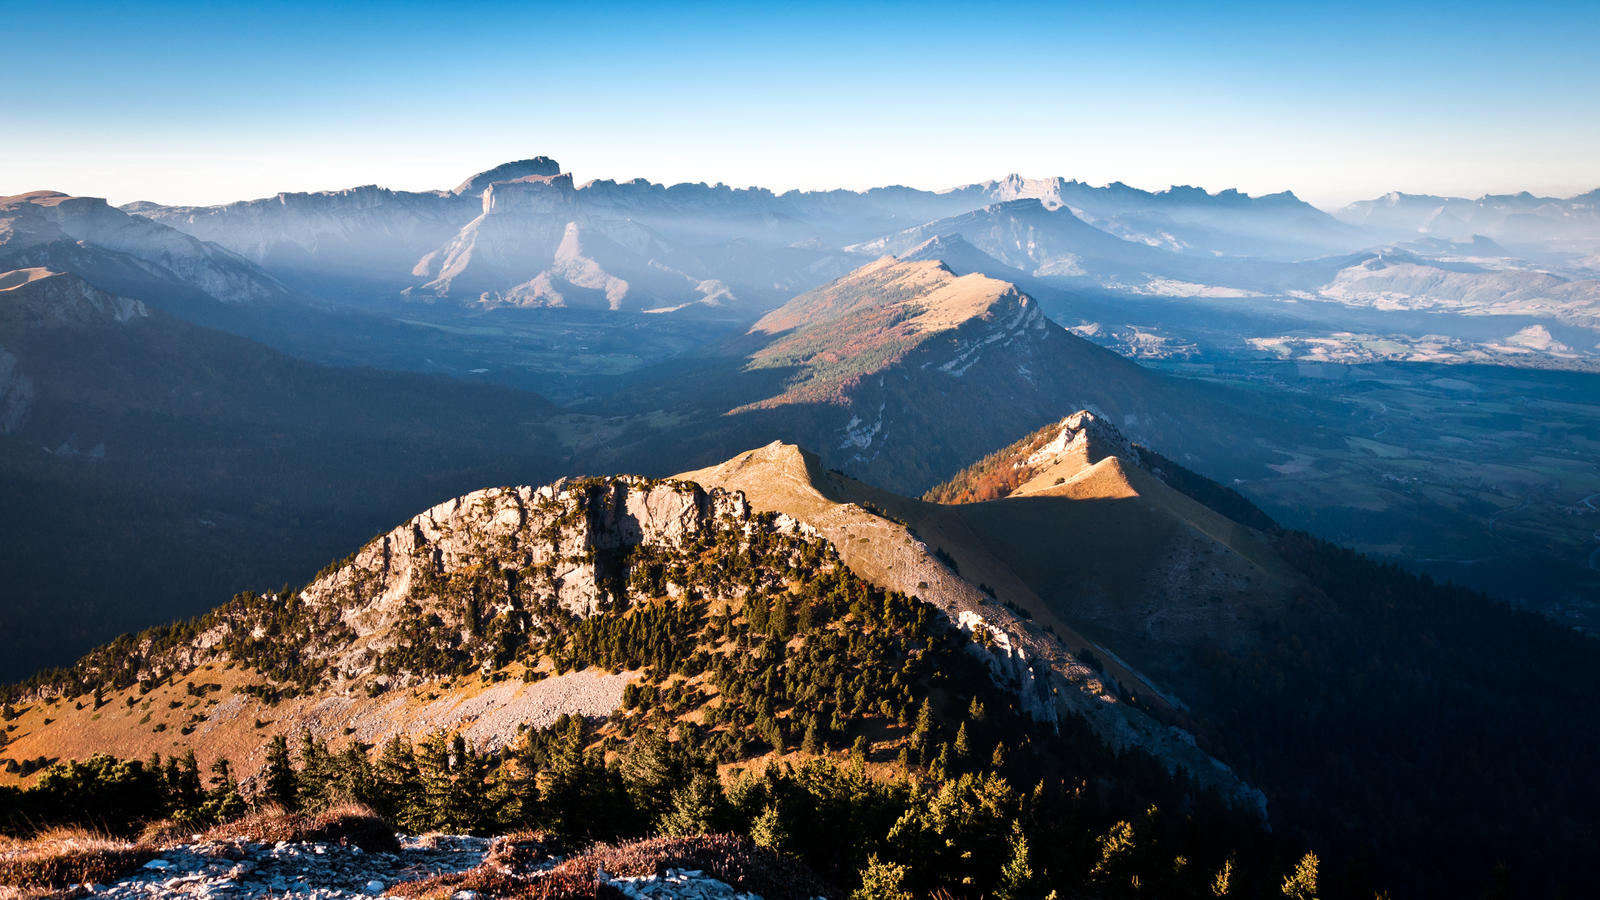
<point>209,102</point>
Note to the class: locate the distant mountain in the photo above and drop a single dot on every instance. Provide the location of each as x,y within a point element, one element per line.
<point>1441,280</point>
<point>1537,223</point>
<point>189,462</point>
<point>495,237</point>
<point>1054,243</point>
<point>365,235</point>
<point>512,171</point>
<point>533,246</point>
<point>1189,220</point>
<point>1033,238</point>
<point>130,255</point>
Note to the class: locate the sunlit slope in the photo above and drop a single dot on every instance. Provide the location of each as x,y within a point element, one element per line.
<point>1105,553</point>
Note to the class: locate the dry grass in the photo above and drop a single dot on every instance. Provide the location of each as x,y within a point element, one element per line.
<point>490,884</point>
<point>731,859</point>
<point>64,857</point>
<point>350,823</point>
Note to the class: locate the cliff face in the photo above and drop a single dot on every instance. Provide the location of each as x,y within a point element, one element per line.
<point>368,232</point>
<point>514,237</point>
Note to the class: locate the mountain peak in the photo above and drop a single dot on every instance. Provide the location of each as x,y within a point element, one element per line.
<point>1072,448</point>
<point>511,171</point>
<point>927,294</point>
<point>1084,437</point>
<point>37,198</point>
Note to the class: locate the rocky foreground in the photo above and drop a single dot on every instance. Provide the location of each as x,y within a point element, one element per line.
<point>330,871</point>
<point>446,866</point>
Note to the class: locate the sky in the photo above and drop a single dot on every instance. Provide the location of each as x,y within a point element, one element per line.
<point>200,103</point>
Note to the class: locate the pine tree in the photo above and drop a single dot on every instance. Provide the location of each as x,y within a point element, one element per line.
<point>397,786</point>
<point>812,743</point>
<point>278,779</point>
<point>922,733</point>
<point>353,777</point>
<point>314,783</point>
<point>1223,883</point>
<point>1116,849</point>
<point>455,789</point>
<point>183,782</point>
<point>696,808</point>
<point>768,830</point>
<point>780,624</point>
<point>939,768</point>
<point>648,770</point>
<point>1016,876</point>
<point>563,788</point>
<point>963,745</point>
<point>223,802</point>
<point>882,880</point>
<point>1301,884</point>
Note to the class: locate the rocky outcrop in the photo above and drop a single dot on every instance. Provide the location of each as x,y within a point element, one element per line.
<point>557,539</point>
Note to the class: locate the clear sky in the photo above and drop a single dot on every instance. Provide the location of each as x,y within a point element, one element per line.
<point>210,102</point>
